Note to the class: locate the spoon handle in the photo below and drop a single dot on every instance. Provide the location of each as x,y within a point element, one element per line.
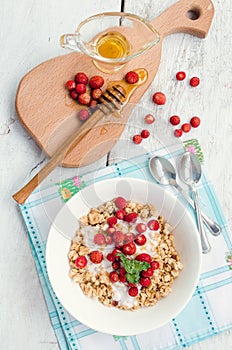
<point>204,240</point>
<point>213,227</point>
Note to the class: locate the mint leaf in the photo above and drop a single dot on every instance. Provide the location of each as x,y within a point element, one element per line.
<point>133,268</point>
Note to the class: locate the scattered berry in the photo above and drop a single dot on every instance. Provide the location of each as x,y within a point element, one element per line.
<point>149,119</point>
<point>116,264</point>
<point>147,273</point>
<point>81,88</point>
<point>178,132</point>
<point>186,127</point>
<point>84,99</point>
<point>83,114</point>
<point>140,239</point>
<point>99,239</point>
<point>140,228</point>
<point>180,75</point>
<point>145,281</point>
<point>96,94</point>
<point>120,214</point>
<point>96,256</point>
<point>70,85</point>
<point>195,122</point>
<point>145,134</point>
<point>96,82</point>
<point>153,225</point>
<point>110,257</point>
<point>93,104</point>
<point>81,262</point>
<point>131,217</point>
<point>175,120</point>
<point>111,221</point>
<point>129,248</point>
<point>120,202</point>
<point>129,237</point>
<point>114,302</point>
<point>137,139</point>
<point>144,257</point>
<point>132,77</point>
<point>111,230</point>
<point>113,277</point>
<point>159,98</point>
<point>194,81</point>
<point>133,291</point>
<point>74,94</point>
<point>154,265</point>
<point>118,237</point>
<point>81,78</point>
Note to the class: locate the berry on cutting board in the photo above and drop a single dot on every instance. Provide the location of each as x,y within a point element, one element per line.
<point>131,77</point>
<point>83,114</point>
<point>96,82</point>
<point>81,78</point>
<point>70,85</point>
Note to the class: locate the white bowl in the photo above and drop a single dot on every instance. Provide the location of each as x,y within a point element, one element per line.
<point>90,311</point>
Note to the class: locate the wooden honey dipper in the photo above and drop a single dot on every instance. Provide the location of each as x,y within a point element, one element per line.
<point>112,101</point>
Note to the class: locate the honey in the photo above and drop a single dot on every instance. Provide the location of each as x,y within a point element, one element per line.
<point>112,45</point>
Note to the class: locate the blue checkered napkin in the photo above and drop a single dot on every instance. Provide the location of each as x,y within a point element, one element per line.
<point>207,312</point>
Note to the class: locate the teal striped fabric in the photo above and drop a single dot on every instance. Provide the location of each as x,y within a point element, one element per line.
<point>207,312</point>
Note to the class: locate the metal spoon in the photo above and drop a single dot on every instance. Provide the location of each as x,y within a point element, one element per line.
<point>164,173</point>
<point>190,172</point>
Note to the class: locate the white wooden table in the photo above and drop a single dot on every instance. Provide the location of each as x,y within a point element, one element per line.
<point>29,33</point>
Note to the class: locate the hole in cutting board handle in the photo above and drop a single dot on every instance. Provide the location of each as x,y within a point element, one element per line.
<point>193,14</point>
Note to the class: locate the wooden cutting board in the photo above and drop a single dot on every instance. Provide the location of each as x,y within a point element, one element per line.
<point>50,115</point>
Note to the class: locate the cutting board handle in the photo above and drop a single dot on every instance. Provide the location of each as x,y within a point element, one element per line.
<point>186,16</point>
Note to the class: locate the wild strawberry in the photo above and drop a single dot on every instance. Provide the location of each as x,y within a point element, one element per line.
<point>81,262</point>
<point>180,75</point>
<point>178,132</point>
<point>194,81</point>
<point>145,134</point>
<point>147,273</point>
<point>140,228</point>
<point>154,265</point>
<point>83,114</point>
<point>129,248</point>
<point>113,277</point>
<point>145,281</point>
<point>111,230</point>
<point>131,217</point>
<point>111,221</point>
<point>114,302</point>
<point>96,82</point>
<point>137,139</point>
<point>96,93</point>
<point>195,122</point>
<point>140,239</point>
<point>149,119</point>
<point>70,85</point>
<point>186,127</point>
<point>81,78</point>
<point>175,120</point>
<point>99,239</point>
<point>131,284</point>
<point>120,202</point>
<point>144,257</point>
<point>74,95</point>
<point>159,98</point>
<point>110,257</point>
<point>131,77</point>
<point>81,88</point>
<point>115,253</point>
<point>153,225</point>
<point>116,264</point>
<point>96,256</point>
<point>133,291</point>
<point>93,104</point>
<point>122,271</point>
<point>129,237</point>
<point>84,99</point>
<point>118,237</point>
<point>120,214</point>
<point>122,278</point>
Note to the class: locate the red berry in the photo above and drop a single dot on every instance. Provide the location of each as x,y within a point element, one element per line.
<point>144,257</point>
<point>180,75</point>
<point>81,262</point>
<point>149,119</point>
<point>145,281</point>
<point>178,132</point>
<point>129,237</point>
<point>111,230</point>
<point>111,221</point>
<point>120,202</point>
<point>99,239</point>
<point>96,256</point>
<point>159,98</point>
<point>74,94</point>
<point>120,214</point>
<point>131,217</point>
<point>186,127</point>
<point>116,264</point>
<point>122,278</point>
<point>81,78</point>
<point>131,77</point>
<point>154,265</point>
<point>195,122</point>
<point>114,302</point>
<point>109,240</point>
<point>175,120</point>
<point>70,85</point>
<point>81,88</point>
<point>110,257</point>
<point>93,104</point>
<point>84,99</point>
<point>131,284</point>
<point>140,228</point>
<point>140,239</point>
<point>145,134</point>
<point>133,291</point>
<point>113,277</point>
<point>83,114</point>
<point>147,273</point>
<point>122,271</point>
<point>194,81</point>
<point>129,248</point>
<point>137,139</point>
<point>96,94</point>
<point>96,82</point>
<point>115,253</point>
<point>118,237</point>
<point>153,225</point>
